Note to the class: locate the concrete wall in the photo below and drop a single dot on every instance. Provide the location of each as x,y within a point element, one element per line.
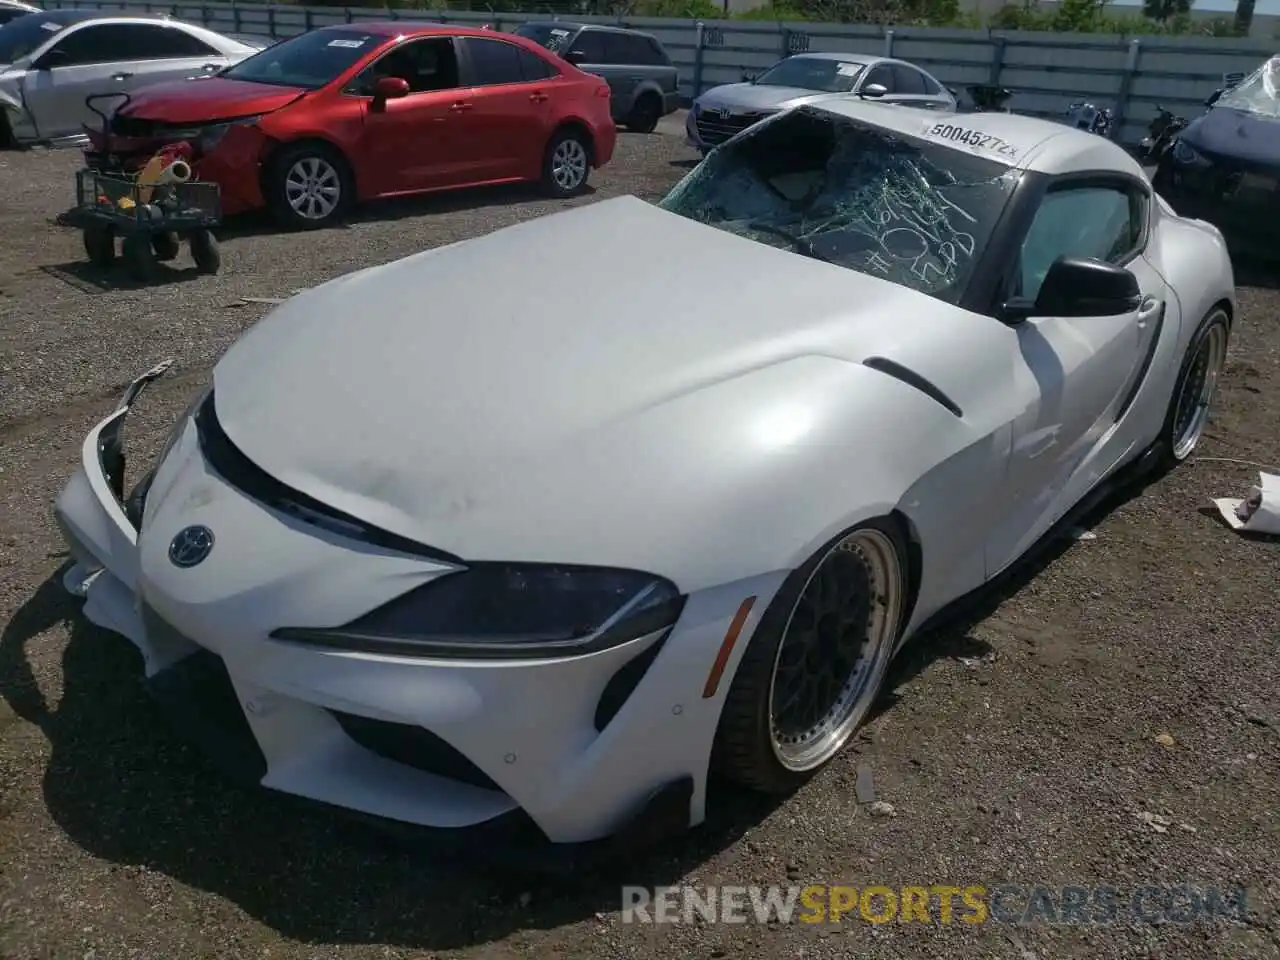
<point>1047,71</point>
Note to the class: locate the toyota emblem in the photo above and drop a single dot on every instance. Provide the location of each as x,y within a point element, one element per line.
<point>190,546</point>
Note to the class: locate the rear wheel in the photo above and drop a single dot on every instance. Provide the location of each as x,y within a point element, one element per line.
<point>165,246</point>
<point>567,163</point>
<point>100,244</point>
<point>139,258</point>
<point>645,114</point>
<point>205,251</point>
<point>1194,390</point>
<point>814,666</point>
<point>309,185</point>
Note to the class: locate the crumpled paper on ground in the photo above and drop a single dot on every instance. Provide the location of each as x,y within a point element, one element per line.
<point>1259,512</point>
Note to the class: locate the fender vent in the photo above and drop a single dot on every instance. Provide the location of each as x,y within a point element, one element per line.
<point>912,379</point>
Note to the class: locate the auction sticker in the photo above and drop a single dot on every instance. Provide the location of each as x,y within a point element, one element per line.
<point>347,44</point>
<point>956,133</point>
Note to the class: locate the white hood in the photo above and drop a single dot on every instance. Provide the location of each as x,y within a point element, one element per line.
<point>419,392</point>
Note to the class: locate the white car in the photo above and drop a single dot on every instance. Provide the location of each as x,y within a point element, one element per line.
<point>460,553</point>
<point>52,60</point>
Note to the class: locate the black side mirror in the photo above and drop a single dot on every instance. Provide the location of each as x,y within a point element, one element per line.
<point>1079,287</point>
<point>1213,98</point>
<point>54,58</point>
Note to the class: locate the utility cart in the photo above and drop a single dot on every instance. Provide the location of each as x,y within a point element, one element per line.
<point>151,221</point>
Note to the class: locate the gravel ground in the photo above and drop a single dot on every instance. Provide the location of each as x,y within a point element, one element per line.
<point>1017,745</point>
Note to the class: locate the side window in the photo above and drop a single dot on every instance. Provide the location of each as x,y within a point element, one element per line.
<point>92,44</point>
<point>931,86</point>
<point>883,75</point>
<point>1103,222</point>
<point>908,80</point>
<point>9,13</point>
<point>426,65</point>
<point>590,43</point>
<point>659,56</point>
<point>533,67</point>
<point>494,62</point>
<point>148,42</point>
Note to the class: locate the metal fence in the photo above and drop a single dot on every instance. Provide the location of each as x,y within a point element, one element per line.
<point>1046,71</point>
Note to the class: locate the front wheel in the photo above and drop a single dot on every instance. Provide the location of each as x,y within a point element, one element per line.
<point>139,257</point>
<point>1193,392</point>
<point>308,186</point>
<point>814,666</point>
<point>205,251</point>
<point>567,163</point>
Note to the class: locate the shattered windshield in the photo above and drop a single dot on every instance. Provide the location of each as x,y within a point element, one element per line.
<point>824,186</point>
<point>812,73</point>
<point>1256,93</point>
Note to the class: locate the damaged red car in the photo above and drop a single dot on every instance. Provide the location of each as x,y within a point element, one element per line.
<point>347,113</point>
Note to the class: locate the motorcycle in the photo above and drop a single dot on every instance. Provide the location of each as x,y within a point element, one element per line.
<point>1086,116</point>
<point>1160,135</point>
<point>990,98</point>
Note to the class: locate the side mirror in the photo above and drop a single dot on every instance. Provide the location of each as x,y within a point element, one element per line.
<point>390,88</point>
<point>54,58</point>
<point>749,77</point>
<point>1213,98</point>
<point>1080,287</point>
<point>576,57</point>
<point>875,90</point>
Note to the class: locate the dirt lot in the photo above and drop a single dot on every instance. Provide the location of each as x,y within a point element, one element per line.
<point>1018,746</point>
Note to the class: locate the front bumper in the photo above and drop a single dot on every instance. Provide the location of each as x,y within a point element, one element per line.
<point>520,750</point>
<point>1241,200</point>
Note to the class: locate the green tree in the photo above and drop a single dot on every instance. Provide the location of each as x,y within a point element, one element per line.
<point>1162,11</point>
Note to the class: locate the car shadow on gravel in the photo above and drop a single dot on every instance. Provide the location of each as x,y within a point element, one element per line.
<point>127,791</point>
<point>88,278</point>
<point>391,209</point>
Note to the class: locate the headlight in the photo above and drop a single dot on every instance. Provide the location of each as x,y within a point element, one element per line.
<point>513,611</point>
<point>137,499</point>
<point>1185,154</point>
<point>209,137</point>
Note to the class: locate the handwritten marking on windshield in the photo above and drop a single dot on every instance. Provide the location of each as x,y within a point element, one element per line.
<point>914,230</point>
<point>974,138</point>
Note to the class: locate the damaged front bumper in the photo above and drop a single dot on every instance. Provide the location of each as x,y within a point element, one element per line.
<point>409,744</point>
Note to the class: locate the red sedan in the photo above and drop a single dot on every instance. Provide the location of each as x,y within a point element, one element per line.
<point>362,110</point>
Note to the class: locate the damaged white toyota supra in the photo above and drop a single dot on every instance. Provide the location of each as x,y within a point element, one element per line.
<point>458,545</point>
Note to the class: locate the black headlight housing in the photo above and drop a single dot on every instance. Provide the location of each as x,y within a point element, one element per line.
<point>510,611</point>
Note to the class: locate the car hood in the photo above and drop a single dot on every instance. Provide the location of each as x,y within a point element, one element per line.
<point>1226,132</point>
<point>202,99</point>
<point>751,96</point>
<point>419,394</point>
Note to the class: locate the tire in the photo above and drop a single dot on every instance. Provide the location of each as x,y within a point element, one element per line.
<point>1194,389</point>
<point>566,164</point>
<point>767,749</point>
<point>165,246</point>
<point>6,133</point>
<point>645,114</point>
<point>308,186</point>
<point>139,258</point>
<point>205,251</point>
<point>100,244</point>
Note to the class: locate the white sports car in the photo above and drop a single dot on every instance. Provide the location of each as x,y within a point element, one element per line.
<point>465,546</point>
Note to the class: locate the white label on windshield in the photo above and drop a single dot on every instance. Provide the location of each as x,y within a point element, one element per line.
<point>51,27</point>
<point>347,44</point>
<point>954,134</point>
<point>559,33</point>
<point>848,69</point>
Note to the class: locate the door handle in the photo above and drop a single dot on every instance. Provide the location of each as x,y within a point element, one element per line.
<point>538,97</point>
<point>1150,309</point>
<point>119,77</point>
<point>460,106</point>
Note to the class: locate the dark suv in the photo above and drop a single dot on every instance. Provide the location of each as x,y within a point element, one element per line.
<point>644,81</point>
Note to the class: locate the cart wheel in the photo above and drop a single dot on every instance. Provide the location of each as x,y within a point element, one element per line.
<point>139,258</point>
<point>205,252</point>
<point>100,244</point>
<point>165,246</point>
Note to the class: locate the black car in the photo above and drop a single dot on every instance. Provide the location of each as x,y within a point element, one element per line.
<point>644,82</point>
<point>1224,166</point>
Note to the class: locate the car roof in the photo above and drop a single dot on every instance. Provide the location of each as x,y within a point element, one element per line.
<point>842,57</point>
<point>396,28</point>
<point>1021,142</point>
